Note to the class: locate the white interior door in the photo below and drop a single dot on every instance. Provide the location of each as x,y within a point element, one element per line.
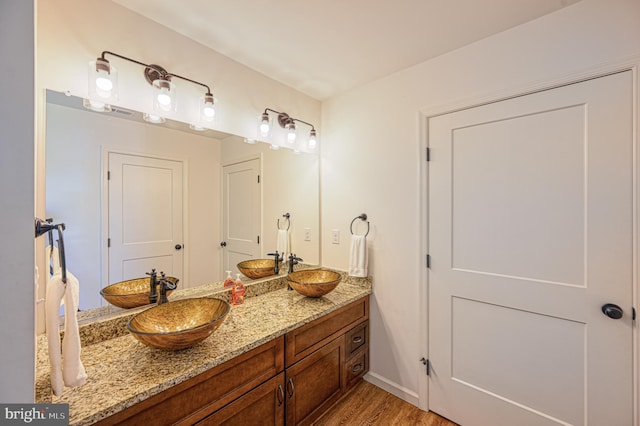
<point>241,212</point>
<point>530,234</point>
<point>145,216</point>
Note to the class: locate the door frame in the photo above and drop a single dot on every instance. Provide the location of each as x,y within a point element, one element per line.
<point>104,207</point>
<point>425,114</point>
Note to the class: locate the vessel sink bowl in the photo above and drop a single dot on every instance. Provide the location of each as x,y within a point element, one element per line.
<point>178,324</point>
<point>130,293</point>
<point>257,268</point>
<point>314,282</point>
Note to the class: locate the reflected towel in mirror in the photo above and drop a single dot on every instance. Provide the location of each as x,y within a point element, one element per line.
<point>282,243</point>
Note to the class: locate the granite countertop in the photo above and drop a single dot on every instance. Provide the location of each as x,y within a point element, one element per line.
<point>122,371</point>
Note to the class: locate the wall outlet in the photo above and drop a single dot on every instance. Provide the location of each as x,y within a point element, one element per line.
<point>307,234</point>
<point>335,236</point>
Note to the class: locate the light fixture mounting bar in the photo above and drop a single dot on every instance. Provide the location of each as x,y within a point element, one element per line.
<point>284,118</point>
<point>152,71</point>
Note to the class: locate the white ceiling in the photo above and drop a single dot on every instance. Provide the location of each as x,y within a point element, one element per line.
<point>326,47</point>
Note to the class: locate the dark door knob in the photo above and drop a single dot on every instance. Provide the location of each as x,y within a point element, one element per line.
<point>612,311</point>
<point>178,246</point>
<point>223,244</point>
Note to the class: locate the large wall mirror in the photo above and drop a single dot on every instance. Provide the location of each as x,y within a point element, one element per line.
<point>136,196</point>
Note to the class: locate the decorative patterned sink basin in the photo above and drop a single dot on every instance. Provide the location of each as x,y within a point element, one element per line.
<point>130,293</point>
<point>179,324</point>
<point>314,282</point>
<point>257,268</point>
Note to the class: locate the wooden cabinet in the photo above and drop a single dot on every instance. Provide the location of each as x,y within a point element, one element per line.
<point>290,380</point>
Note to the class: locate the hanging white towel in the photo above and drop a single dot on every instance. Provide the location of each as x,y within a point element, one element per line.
<point>73,371</point>
<point>55,293</point>
<point>282,243</point>
<point>66,365</point>
<point>358,261</point>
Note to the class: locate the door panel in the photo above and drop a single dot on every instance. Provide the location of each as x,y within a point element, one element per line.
<point>241,212</point>
<point>145,216</point>
<point>530,233</point>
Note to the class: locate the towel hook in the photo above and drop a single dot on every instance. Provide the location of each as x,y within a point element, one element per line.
<point>362,217</point>
<point>42,227</point>
<point>286,216</point>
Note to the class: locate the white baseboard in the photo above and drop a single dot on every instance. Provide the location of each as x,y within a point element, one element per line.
<point>393,388</point>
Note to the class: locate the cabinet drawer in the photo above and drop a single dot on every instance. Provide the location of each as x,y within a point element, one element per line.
<point>356,367</point>
<point>263,406</point>
<point>198,397</point>
<point>312,336</point>
<point>357,338</point>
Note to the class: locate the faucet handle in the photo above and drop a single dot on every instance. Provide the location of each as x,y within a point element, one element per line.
<point>168,284</point>
<point>152,273</point>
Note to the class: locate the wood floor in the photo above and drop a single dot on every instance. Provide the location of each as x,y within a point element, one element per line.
<point>367,404</point>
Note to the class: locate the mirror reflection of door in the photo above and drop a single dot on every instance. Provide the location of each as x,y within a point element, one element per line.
<point>241,206</point>
<point>145,216</point>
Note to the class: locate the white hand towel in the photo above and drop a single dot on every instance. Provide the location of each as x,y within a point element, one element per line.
<point>73,371</point>
<point>358,261</point>
<point>55,293</point>
<point>282,243</point>
<point>66,366</point>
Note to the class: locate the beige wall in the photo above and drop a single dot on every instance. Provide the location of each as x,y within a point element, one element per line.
<point>372,160</point>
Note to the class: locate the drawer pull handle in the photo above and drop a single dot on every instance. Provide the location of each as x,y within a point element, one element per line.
<point>290,389</point>
<point>280,395</point>
<point>357,339</point>
<point>357,368</point>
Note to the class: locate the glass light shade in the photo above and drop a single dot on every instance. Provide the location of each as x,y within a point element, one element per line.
<point>152,118</point>
<point>103,81</point>
<point>291,133</point>
<point>312,140</point>
<point>164,96</point>
<point>264,127</point>
<point>207,108</point>
<point>97,106</point>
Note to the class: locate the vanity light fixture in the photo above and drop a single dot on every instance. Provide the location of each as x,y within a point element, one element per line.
<point>103,87</point>
<point>289,124</point>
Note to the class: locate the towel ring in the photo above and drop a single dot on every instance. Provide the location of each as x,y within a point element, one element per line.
<point>362,217</point>
<point>286,216</point>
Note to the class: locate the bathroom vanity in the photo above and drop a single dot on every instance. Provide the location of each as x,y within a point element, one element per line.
<point>280,358</point>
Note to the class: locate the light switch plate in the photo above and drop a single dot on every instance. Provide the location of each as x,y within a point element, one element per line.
<point>335,236</point>
<point>307,234</point>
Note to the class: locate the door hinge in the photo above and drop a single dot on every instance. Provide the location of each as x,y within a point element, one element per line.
<point>108,175</point>
<point>258,238</point>
<point>633,314</point>
<point>428,153</point>
<point>258,178</point>
<point>429,261</point>
<point>108,242</point>
<point>427,365</point>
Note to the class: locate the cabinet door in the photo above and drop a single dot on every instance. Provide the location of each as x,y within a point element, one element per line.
<point>315,383</point>
<point>262,406</point>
